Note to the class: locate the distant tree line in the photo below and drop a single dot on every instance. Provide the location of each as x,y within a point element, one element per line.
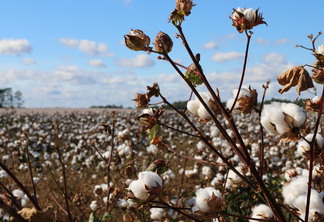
<point>9,98</point>
<point>108,106</point>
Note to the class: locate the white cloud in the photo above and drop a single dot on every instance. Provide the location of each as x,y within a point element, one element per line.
<point>97,63</point>
<point>29,61</point>
<point>139,61</point>
<point>210,45</point>
<point>15,46</point>
<point>262,41</point>
<point>282,41</point>
<point>222,57</point>
<point>89,47</point>
<point>274,58</point>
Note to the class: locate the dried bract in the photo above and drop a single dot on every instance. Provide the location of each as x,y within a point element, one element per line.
<point>184,6</point>
<point>136,40</point>
<point>163,43</point>
<point>297,76</point>
<point>245,19</point>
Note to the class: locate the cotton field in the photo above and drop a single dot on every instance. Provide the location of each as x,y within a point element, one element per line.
<point>102,165</point>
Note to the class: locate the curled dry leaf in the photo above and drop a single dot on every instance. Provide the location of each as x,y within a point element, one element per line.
<point>297,76</point>
<point>33,215</point>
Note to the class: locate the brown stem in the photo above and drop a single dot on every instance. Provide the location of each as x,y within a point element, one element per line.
<point>243,70</point>
<point>311,157</point>
<point>60,158</point>
<point>245,158</point>
<point>113,115</point>
<point>20,185</point>
<point>30,168</point>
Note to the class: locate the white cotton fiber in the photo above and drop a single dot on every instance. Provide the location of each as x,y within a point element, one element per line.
<point>202,195</point>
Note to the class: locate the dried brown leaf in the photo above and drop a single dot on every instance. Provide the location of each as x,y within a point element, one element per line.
<point>33,215</point>
<point>297,76</point>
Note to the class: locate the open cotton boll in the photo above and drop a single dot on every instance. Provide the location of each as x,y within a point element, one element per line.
<point>157,213</point>
<point>230,102</point>
<point>150,179</point>
<point>94,205</point>
<point>138,189</point>
<point>202,196</point>
<point>296,112</point>
<point>304,146</point>
<point>272,119</point>
<point>18,194</point>
<point>193,106</point>
<point>295,188</point>
<point>316,202</point>
<point>261,211</point>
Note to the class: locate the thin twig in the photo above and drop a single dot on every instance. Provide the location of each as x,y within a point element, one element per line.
<point>311,157</point>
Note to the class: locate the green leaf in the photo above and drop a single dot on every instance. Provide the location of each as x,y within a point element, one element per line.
<point>106,216</point>
<point>94,218</point>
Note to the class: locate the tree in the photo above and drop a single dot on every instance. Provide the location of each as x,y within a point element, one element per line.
<point>8,98</point>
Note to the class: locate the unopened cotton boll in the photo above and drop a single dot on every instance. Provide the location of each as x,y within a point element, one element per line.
<point>261,211</point>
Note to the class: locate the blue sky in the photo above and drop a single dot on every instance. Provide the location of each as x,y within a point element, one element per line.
<point>71,53</point>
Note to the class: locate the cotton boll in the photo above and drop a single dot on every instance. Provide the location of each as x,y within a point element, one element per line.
<point>203,113</point>
<point>3,174</point>
<point>193,106</point>
<point>138,189</point>
<point>94,205</point>
<point>157,213</point>
<point>261,211</point>
<point>152,149</point>
<point>229,103</point>
<point>206,170</point>
<point>295,188</point>
<point>316,202</point>
<point>122,203</point>
<point>150,179</point>
<point>18,194</point>
<point>202,196</point>
<point>296,112</point>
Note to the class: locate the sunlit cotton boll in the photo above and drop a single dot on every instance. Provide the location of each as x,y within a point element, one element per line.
<point>157,213</point>
<point>152,149</point>
<point>280,118</point>
<point>316,202</point>
<point>261,211</point>
<point>94,205</point>
<point>18,194</point>
<point>303,146</point>
<point>202,197</point>
<point>298,186</point>
<point>146,179</point>
<point>196,107</point>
